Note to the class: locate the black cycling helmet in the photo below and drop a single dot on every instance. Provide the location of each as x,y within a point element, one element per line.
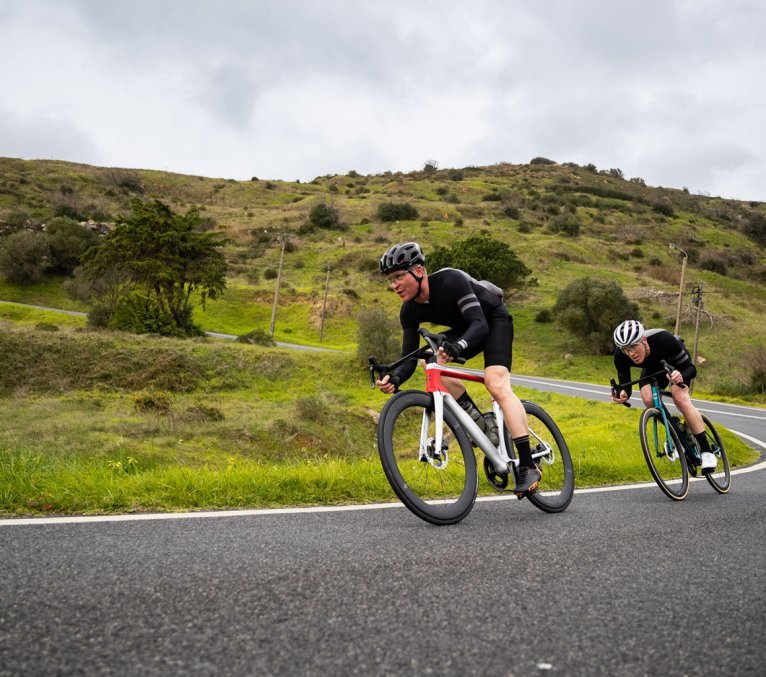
<point>401,257</point>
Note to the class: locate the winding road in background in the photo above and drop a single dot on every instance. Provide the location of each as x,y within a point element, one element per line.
<point>624,582</point>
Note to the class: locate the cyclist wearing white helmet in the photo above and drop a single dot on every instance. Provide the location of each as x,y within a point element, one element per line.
<point>479,323</point>
<point>647,349</point>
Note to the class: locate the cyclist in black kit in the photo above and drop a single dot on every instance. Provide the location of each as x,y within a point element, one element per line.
<point>479,323</point>
<point>647,349</point>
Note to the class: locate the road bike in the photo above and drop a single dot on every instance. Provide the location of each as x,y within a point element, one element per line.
<point>426,442</point>
<point>670,449</point>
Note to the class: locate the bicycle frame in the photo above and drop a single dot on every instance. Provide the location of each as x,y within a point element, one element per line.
<point>442,398</point>
<point>659,405</point>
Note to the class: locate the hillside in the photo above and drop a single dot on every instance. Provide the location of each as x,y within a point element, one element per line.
<point>625,229</point>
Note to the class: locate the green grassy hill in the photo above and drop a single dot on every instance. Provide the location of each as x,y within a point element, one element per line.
<point>626,230</point>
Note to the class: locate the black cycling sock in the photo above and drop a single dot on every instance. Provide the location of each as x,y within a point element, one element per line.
<point>525,453</point>
<point>465,399</point>
<point>702,440</point>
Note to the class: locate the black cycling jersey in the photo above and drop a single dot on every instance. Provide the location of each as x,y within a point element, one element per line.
<point>662,346</point>
<point>473,310</point>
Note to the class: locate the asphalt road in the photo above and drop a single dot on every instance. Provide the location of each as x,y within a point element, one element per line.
<point>624,582</point>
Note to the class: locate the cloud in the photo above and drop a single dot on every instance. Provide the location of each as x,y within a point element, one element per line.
<point>668,90</point>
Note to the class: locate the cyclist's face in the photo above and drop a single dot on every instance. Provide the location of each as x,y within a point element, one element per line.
<point>636,352</point>
<point>404,284</point>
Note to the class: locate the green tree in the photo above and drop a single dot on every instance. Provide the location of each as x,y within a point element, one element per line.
<point>164,255</point>
<point>485,259</point>
<point>591,309</point>
<point>24,256</point>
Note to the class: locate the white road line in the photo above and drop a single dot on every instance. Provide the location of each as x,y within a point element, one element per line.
<point>25,521</point>
<point>605,393</point>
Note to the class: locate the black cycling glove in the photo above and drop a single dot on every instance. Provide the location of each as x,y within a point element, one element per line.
<point>452,349</point>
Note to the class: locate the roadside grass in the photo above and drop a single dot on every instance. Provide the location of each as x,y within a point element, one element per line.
<point>288,430</point>
<point>31,317</point>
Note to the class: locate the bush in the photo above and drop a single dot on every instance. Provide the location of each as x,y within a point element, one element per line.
<point>758,375</point>
<point>378,334</point>
<point>270,274</point>
<point>140,314</point>
<point>714,265</point>
<point>591,309</point>
<point>153,401</point>
<point>483,258</point>
<point>541,161</point>
<point>24,256</point>
<point>258,337</point>
<point>544,316</point>
<point>512,212</point>
<point>755,228</point>
<point>397,211</point>
<point>325,216</point>
<point>68,241</point>
<point>569,224</point>
<point>664,208</point>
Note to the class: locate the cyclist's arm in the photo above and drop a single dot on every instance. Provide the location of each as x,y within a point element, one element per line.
<point>678,357</point>
<point>468,304</point>
<point>623,363</point>
<point>410,343</point>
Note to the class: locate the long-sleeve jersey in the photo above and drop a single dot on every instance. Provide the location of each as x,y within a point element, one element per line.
<point>662,346</point>
<point>455,300</point>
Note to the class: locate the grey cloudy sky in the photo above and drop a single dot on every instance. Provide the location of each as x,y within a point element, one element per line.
<point>668,90</point>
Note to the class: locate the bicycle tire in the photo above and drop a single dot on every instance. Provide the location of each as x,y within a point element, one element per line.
<point>440,496</point>
<point>720,480</point>
<point>671,475</point>
<point>556,488</point>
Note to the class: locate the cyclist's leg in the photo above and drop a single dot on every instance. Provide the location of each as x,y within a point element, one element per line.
<point>683,402</point>
<point>498,351</point>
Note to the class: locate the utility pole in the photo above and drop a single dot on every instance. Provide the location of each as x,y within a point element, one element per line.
<point>697,291</point>
<point>680,289</point>
<point>324,304</point>
<point>276,291</point>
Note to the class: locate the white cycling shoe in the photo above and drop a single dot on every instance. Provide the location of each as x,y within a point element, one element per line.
<point>709,461</point>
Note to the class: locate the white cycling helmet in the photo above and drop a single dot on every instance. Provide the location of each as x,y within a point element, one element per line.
<point>628,333</point>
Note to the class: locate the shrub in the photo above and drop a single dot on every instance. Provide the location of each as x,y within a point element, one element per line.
<point>541,161</point>
<point>325,216</point>
<point>755,228</point>
<point>68,241</point>
<point>377,334</point>
<point>544,316</point>
<point>483,258</point>
<point>591,309</point>
<point>512,212</point>
<point>270,274</point>
<point>568,223</point>
<point>152,401</point>
<point>757,362</point>
<point>258,337</point>
<point>455,174</point>
<point>492,197</point>
<point>714,265</point>
<point>664,208</point>
<point>140,314</point>
<point>397,211</point>
<point>24,256</point>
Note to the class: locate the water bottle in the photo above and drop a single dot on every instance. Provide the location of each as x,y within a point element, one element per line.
<point>475,414</point>
<point>491,431</point>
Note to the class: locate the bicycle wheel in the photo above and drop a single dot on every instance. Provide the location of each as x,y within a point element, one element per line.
<point>720,478</point>
<point>669,469</point>
<point>439,486</point>
<point>556,487</point>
